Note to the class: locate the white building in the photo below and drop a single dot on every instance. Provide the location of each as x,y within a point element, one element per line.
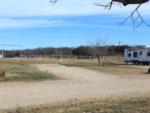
<point>137,55</point>
<point>1,55</point>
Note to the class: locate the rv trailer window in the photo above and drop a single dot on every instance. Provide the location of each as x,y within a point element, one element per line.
<point>129,55</point>
<point>141,53</point>
<point>148,54</point>
<point>129,50</point>
<point>135,54</point>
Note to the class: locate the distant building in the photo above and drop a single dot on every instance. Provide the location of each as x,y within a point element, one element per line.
<point>1,56</point>
<point>137,55</point>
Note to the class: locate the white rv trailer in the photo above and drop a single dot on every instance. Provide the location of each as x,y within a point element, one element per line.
<point>137,55</point>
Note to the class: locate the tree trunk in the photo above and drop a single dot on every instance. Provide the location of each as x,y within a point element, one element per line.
<point>98,58</point>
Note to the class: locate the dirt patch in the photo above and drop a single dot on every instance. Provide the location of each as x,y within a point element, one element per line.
<point>78,84</point>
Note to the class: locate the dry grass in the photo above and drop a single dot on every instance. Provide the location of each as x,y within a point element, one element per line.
<point>110,68</point>
<point>105,60</point>
<point>119,69</point>
<point>112,65</point>
<point>130,105</point>
<point>30,60</point>
<point>114,69</point>
<point>122,105</point>
<point>23,71</point>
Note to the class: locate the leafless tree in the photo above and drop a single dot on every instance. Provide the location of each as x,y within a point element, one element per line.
<point>124,2</point>
<point>99,47</point>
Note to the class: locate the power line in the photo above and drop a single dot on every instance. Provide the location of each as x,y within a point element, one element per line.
<point>9,45</point>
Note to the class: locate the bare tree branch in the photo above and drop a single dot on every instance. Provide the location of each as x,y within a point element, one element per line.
<point>135,16</point>
<point>136,20</point>
<point>107,6</point>
<point>53,1</point>
<point>124,2</point>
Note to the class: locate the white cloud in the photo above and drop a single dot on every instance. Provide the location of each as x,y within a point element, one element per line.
<point>44,7</point>
<point>26,23</point>
<point>25,8</point>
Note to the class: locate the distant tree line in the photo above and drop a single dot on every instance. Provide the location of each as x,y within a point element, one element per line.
<point>72,51</point>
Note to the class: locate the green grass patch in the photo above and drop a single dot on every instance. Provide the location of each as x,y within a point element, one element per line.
<point>24,72</point>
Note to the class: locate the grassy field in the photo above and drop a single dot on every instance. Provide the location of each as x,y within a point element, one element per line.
<point>16,67</point>
<point>116,69</point>
<point>130,105</point>
<point>23,71</point>
<point>30,60</point>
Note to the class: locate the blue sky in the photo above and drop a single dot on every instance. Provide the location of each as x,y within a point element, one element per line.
<point>37,23</point>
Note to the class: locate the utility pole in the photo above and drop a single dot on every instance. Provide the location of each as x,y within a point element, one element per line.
<point>61,56</point>
<point>2,52</point>
<point>119,51</point>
